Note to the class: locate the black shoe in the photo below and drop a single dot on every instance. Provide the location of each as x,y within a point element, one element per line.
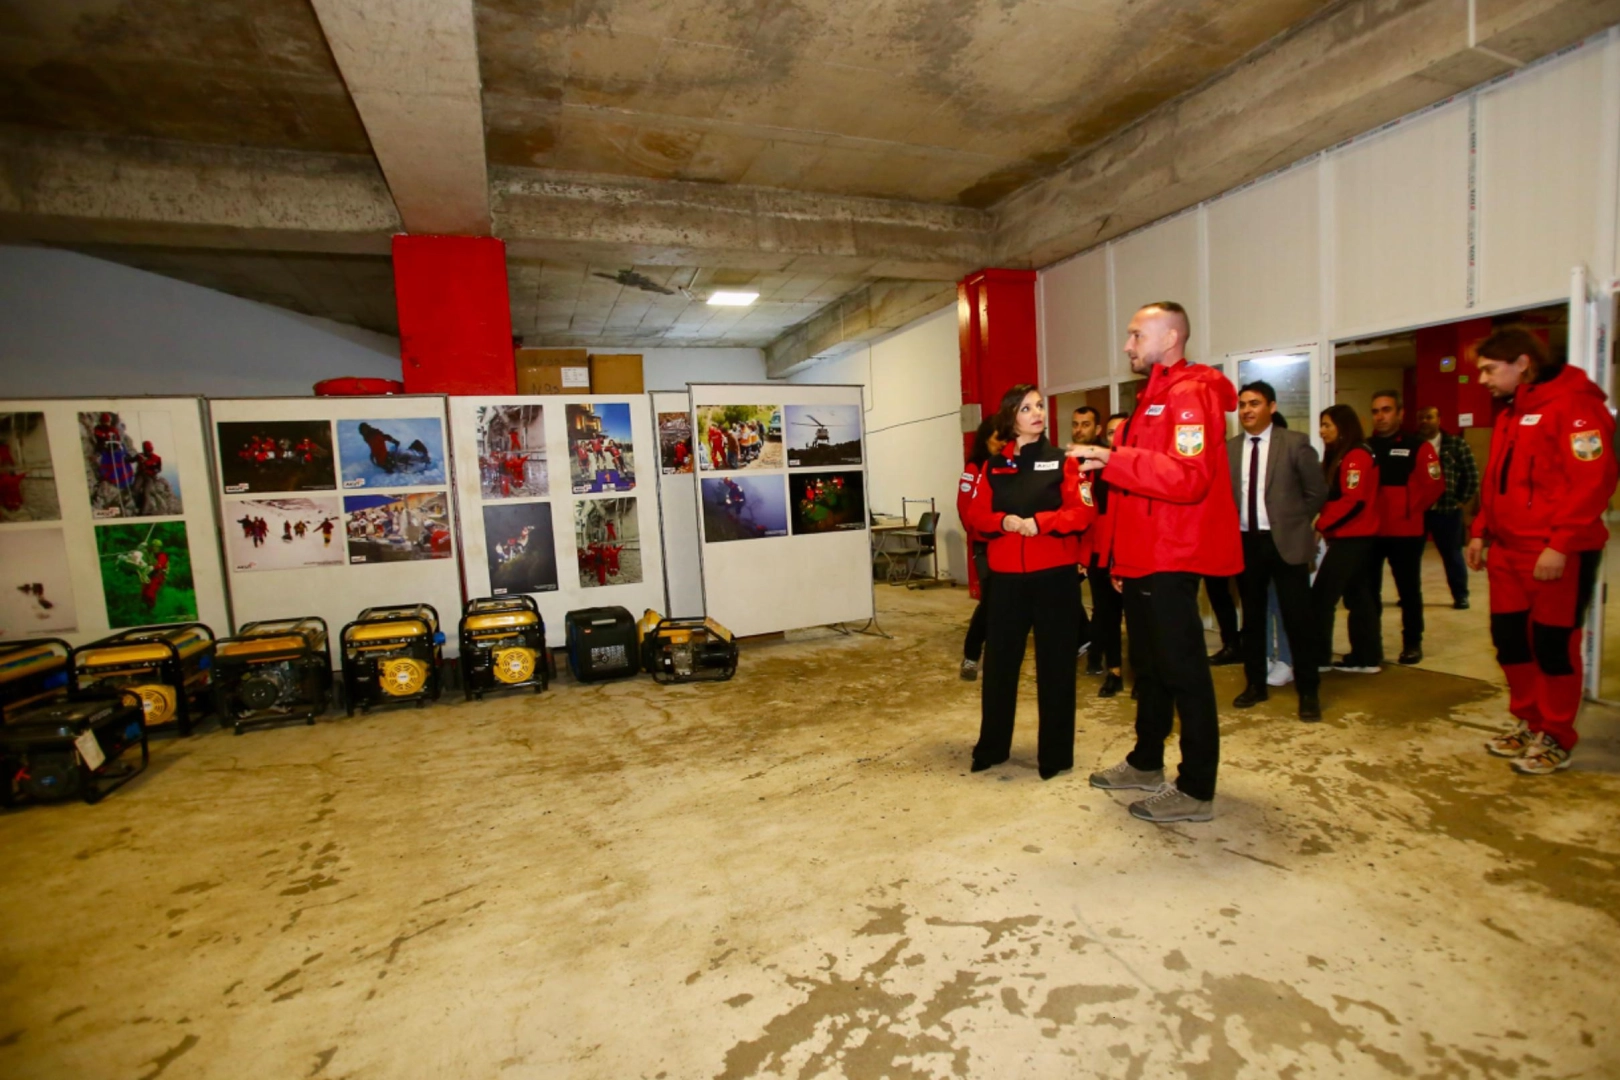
<point>980,766</point>
<point>1310,710</point>
<point>1135,691</point>
<point>1112,685</point>
<point>1094,666</point>
<point>1252,695</point>
<point>1229,654</point>
<point>1461,605</point>
<point>1414,655</point>
<point>1047,774</point>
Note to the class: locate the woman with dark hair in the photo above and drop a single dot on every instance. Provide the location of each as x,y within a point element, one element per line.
<point>986,444</point>
<point>1032,506</point>
<point>1348,523</point>
<point>1108,607</point>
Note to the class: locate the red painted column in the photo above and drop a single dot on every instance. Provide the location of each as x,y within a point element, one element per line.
<point>995,312</point>
<point>455,317</point>
<point>1446,375</point>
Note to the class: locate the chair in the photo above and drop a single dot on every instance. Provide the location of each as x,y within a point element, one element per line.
<point>918,543</point>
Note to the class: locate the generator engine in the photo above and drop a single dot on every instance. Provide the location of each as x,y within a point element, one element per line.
<point>169,668</point>
<point>687,650</point>
<point>70,749</point>
<point>391,655</point>
<point>31,672</point>
<point>275,671</point>
<point>503,646</point>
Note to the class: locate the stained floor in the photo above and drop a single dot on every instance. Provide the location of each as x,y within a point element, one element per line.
<point>793,874</point>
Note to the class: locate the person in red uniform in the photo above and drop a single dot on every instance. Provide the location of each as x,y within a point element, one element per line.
<point>1030,503</point>
<point>326,528</point>
<point>1539,537</point>
<point>1348,521</point>
<point>681,456</point>
<point>378,441</point>
<point>159,573</point>
<point>986,445</point>
<point>1409,482</point>
<point>1174,522</point>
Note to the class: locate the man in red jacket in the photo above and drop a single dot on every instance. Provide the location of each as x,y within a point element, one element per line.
<point>1409,482</point>
<point>1174,521</point>
<point>1551,473</point>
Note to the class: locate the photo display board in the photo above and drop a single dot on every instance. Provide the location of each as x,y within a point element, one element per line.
<point>558,500</point>
<point>106,519</point>
<point>330,505</point>
<point>782,513</point>
<point>677,502</point>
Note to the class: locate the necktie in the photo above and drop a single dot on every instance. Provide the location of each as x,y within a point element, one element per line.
<point>1254,483</point>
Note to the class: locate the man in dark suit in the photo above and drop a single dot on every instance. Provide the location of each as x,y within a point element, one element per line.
<point>1278,484</point>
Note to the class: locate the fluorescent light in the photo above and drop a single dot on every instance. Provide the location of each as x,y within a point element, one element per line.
<point>732,299</point>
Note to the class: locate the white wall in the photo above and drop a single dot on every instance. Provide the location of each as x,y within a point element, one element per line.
<point>73,325</point>
<point>911,383</point>
<point>672,369</point>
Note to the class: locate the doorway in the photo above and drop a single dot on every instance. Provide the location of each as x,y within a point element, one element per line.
<point>1064,404</point>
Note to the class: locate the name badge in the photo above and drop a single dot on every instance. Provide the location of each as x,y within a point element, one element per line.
<point>1531,419</point>
<point>1400,453</point>
<point>1155,410</point>
<point>1046,466</point>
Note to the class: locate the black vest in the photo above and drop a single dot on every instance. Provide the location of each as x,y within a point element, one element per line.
<point>1029,483</point>
<point>1394,470</point>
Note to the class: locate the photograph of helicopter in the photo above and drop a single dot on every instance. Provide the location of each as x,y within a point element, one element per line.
<point>821,435</point>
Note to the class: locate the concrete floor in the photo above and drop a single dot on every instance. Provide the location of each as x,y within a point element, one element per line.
<point>793,874</point>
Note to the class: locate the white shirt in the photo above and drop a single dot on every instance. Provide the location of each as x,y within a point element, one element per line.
<point>1243,472</point>
<point>1435,442</point>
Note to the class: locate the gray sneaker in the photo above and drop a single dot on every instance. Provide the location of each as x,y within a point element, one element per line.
<point>970,670</point>
<point>1123,777</point>
<point>1169,804</point>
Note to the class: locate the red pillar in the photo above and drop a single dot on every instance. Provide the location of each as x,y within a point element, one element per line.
<point>1446,376</point>
<point>996,331</point>
<point>455,318</point>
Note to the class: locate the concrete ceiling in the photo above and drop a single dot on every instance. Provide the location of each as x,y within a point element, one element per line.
<point>847,158</point>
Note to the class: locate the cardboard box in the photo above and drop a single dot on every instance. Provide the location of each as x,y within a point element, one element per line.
<point>553,371</point>
<point>616,373</point>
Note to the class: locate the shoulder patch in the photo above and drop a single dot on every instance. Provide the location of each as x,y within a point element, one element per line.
<point>1586,445</point>
<point>1352,479</point>
<point>970,476</point>
<point>1085,493</point>
<point>1434,470</point>
<point>1189,439</point>
<point>1188,414</point>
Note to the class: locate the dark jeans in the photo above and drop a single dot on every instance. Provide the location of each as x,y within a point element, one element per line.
<point>1172,676</point>
<point>1450,535</point>
<point>1107,616</point>
<point>1405,557</point>
<point>1045,600</point>
<point>1224,607</point>
<point>1263,566</point>
<point>1343,576</point>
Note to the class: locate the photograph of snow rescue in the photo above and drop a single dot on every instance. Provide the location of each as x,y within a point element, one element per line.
<point>284,533</point>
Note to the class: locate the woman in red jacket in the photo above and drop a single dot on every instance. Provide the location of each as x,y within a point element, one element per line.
<point>1348,523</point>
<point>1030,503</point>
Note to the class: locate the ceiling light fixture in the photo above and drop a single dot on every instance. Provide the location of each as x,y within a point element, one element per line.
<point>732,299</point>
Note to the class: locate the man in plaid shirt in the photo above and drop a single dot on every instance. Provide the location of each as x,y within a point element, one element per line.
<point>1444,520</point>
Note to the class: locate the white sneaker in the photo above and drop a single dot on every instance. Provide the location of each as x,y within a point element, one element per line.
<point>1280,674</point>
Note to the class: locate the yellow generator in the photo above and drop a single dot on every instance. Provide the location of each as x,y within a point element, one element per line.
<point>170,668</point>
<point>32,672</point>
<point>503,646</point>
<point>275,671</point>
<point>391,656</point>
<point>686,650</point>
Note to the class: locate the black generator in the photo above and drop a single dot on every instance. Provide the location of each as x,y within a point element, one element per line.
<point>70,749</point>
<point>687,650</point>
<point>503,646</point>
<point>601,644</point>
<point>169,668</point>
<point>274,671</point>
<point>32,672</point>
<point>391,656</point>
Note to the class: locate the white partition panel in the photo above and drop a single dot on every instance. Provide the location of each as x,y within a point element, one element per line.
<point>1400,225</point>
<point>98,533</point>
<point>767,566</point>
<point>1263,264</point>
<point>1161,263</point>
<point>678,505</point>
<point>1074,311</point>
<point>593,529</point>
<point>375,501</point>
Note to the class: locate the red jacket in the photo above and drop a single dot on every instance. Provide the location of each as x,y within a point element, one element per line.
<point>1353,502</point>
<point>1169,488</point>
<point>1038,482</point>
<point>1552,468</point>
<point>1409,482</point>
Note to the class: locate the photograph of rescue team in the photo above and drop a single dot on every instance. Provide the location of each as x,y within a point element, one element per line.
<point>146,574</point>
<point>27,475</point>
<point>1160,504</point>
<point>399,452</point>
<point>36,593</point>
<point>512,452</point>
<point>519,547</point>
<point>827,501</point>
<point>397,528</point>
<point>275,455</point>
<point>744,508</point>
<point>735,437</point>
<point>125,466</point>
<point>600,453</point>
<point>675,443</point>
<point>284,533</point>
<point>607,535</point>
<point>821,435</point>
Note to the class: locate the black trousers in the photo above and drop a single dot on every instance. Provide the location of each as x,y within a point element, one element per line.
<point>1263,565</point>
<point>1405,557</point>
<point>1107,616</point>
<point>1223,607</point>
<point>1045,601</point>
<point>973,645</point>
<point>1343,576</point>
<point>1082,625</point>
<point>1450,535</point>
<point>1172,677</point>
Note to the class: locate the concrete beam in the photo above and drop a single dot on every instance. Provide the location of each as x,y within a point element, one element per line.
<point>1359,65</point>
<point>861,316</point>
<point>412,68</point>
